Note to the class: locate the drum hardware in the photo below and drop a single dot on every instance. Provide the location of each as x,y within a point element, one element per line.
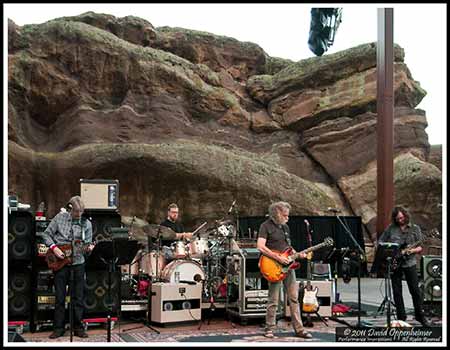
<point>157,232</point>
<point>199,228</point>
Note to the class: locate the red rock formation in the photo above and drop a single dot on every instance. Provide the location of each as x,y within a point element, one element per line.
<point>190,117</point>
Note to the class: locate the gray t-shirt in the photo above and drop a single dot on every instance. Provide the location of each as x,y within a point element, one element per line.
<point>277,236</point>
<point>394,234</point>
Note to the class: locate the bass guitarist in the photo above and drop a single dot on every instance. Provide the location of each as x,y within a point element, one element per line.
<point>405,233</point>
<point>273,236</point>
<point>68,228</point>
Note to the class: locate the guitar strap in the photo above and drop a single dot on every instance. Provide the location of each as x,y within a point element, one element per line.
<point>286,235</point>
<point>83,234</point>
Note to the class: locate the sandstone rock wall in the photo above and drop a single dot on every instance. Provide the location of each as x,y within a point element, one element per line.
<point>191,117</point>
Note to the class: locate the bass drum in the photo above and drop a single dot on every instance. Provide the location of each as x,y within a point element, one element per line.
<point>187,270</point>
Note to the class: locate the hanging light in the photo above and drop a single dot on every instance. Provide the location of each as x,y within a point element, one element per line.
<point>324,25</point>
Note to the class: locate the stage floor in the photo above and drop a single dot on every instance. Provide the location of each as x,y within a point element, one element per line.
<point>218,329</point>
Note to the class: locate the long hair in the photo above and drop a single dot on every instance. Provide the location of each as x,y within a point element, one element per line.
<point>274,208</point>
<point>395,212</point>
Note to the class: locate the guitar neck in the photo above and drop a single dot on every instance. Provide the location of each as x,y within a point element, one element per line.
<point>311,249</point>
<point>308,270</point>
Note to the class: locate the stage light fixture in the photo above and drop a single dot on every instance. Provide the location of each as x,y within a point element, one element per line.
<point>324,25</point>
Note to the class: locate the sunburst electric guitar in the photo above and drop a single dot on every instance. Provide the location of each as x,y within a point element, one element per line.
<point>273,271</point>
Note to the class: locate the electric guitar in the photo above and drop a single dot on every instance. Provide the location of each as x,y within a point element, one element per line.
<point>273,271</point>
<point>54,263</point>
<point>403,253</point>
<point>310,304</point>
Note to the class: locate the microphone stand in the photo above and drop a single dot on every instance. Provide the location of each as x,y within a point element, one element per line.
<point>71,281</point>
<point>157,279</point>
<point>361,257</point>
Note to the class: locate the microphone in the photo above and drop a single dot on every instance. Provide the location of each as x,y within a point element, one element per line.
<point>334,210</point>
<point>232,206</point>
<point>306,222</point>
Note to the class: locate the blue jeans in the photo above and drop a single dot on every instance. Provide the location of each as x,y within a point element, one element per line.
<point>291,288</point>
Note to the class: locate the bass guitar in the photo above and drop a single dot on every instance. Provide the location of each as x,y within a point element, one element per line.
<point>54,263</point>
<point>403,253</point>
<point>273,271</point>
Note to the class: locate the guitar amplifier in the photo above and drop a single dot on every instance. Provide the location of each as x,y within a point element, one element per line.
<point>175,302</point>
<point>100,194</point>
<point>324,297</point>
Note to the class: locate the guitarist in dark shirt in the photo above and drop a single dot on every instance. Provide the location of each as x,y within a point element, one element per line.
<point>403,232</point>
<point>65,228</point>
<point>274,235</point>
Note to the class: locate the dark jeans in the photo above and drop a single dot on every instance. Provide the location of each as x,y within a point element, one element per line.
<point>413,285</point>
<point>62,279</point>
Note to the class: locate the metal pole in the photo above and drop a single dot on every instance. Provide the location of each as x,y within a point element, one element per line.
<point>385,114</point>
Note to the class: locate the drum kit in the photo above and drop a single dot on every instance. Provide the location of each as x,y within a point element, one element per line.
<point>200,260</point>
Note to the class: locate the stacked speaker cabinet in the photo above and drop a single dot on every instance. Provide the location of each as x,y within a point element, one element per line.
<point>100,297</point>
<point>20,237</point>
<point>19,294</point>
<point>431,269</point>
<point>21,242</point>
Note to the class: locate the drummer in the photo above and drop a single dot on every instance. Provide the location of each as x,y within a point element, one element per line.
<point>176,226</point>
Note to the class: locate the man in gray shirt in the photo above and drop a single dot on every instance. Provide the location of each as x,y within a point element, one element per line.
<point>403,232</point>
<point>69,228</point>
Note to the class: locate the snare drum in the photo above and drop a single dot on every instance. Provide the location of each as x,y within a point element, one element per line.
<point>198,248</point>
<point>184,270</point>
<point>179,250</point>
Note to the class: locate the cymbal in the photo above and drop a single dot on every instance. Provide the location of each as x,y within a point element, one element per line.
<point>224,222</point>
<point>134,222</point>
<point>153,230</point>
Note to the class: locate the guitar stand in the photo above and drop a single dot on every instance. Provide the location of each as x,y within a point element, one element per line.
<point>320,318</point>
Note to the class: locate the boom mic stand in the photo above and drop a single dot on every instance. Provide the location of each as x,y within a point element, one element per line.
<point>361,257</point>
<point>71,279</point>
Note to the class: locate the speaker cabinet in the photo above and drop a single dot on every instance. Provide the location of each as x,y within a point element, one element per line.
<point>102,222</point>
<point>97,301</point>
<point>431,269</point>
<point>324,297</point>
<point>21,236</point>
<point>172,302</point>
<point>19,294</point>
<point>320,271</point>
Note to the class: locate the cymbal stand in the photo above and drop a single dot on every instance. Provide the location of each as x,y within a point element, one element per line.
<point>208,293</point>
<point>157,279</point>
